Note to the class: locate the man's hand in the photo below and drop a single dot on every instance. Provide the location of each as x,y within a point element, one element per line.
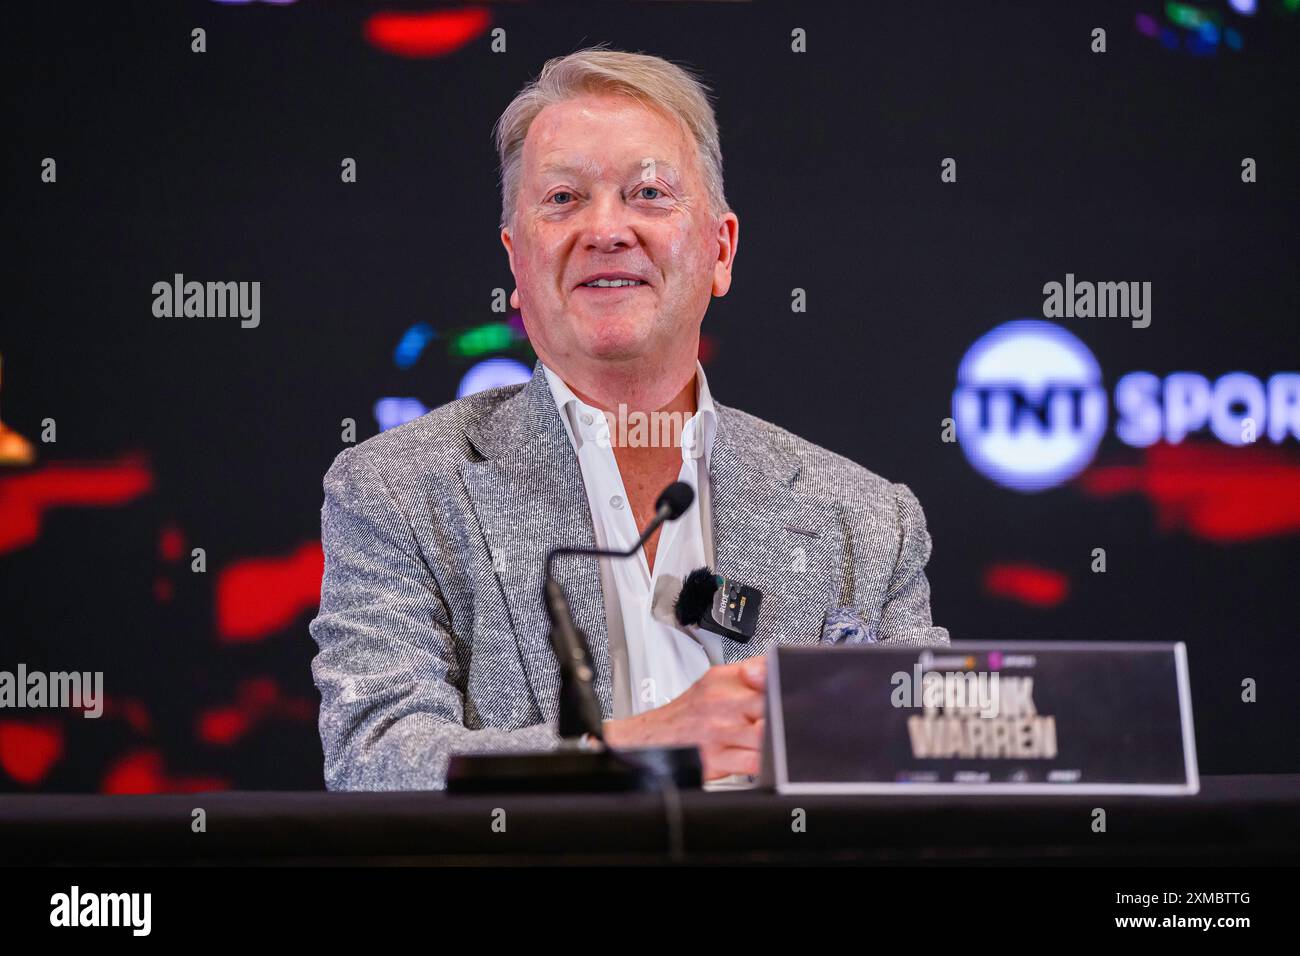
<point>721,713</point>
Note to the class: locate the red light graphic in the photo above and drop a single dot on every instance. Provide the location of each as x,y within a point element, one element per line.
<point>1216,493</point>
<point>426,34</point>
<point>1027,584</point>
<point>171,543</point>
<point>29,751</point>
<point>258,596</point>
<point>26,498</point>
<point>130,710</point>
<point>708,348</point>
<point>142,771</point>
<point>258,699</point>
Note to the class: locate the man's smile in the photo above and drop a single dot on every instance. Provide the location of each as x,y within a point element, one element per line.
<point>607,282</point>
<point>603,292</point>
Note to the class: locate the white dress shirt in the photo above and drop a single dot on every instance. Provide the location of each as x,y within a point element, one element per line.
<point>653,658</point>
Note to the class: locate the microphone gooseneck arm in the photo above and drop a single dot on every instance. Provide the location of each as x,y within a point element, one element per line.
<point>662,515</point>
<point>579,705</point>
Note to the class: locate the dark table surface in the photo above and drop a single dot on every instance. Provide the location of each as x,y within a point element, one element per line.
<point>1233,820</point>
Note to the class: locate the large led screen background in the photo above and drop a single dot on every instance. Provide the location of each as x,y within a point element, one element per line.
<point>865,278</point>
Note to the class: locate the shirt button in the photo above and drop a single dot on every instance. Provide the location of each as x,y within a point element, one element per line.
<point>586,418</point>
<point>616,502</point>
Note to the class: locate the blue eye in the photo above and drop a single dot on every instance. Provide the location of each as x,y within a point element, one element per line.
<point>651,189</point>
<point>557,196</point>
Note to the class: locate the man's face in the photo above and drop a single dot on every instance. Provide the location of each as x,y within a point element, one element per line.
<point>609,188</point>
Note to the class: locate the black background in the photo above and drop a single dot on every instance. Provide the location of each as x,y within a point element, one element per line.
<point>225,165</point>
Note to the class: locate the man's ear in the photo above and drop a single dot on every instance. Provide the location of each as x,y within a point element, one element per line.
<point>509,243</point>
<point>728,240</point>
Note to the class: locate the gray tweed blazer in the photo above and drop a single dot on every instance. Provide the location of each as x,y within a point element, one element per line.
<point>432,633</point>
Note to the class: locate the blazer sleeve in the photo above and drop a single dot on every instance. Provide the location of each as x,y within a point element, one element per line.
<point>391,713</point>
<point>905,614</point>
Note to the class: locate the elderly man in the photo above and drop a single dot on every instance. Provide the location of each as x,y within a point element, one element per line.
<point>432,633</point>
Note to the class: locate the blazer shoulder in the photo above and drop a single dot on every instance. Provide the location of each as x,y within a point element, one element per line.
<point>822,472</point>
<point>437,439</point>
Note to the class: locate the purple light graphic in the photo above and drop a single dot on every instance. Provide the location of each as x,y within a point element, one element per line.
<point>493,373</point>
<point>391,412</point>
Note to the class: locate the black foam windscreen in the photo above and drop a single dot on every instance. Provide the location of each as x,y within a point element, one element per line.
<point>696,597</point>
<point>678,497</point>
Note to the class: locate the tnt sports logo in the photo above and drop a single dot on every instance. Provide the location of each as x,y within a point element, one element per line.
<point>1029,408</point>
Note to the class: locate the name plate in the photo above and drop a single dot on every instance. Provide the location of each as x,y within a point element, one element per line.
<point>976,717</point>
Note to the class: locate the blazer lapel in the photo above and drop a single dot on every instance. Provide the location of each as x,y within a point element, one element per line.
<point>529,497</point>
<point>769,536</point>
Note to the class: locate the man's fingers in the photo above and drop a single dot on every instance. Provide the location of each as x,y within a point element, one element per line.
<point>753,707</point>
<point>751,735</point>
<point>740,698</point>
<point>745,736</point>
<point>729,760</point>
<point>753,673</point>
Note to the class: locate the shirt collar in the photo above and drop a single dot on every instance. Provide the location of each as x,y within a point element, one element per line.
<point>585,423</point>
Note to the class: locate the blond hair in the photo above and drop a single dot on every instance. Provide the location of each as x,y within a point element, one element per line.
<point>652,81</point>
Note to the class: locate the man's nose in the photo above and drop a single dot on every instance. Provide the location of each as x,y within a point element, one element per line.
<point>607,226</point>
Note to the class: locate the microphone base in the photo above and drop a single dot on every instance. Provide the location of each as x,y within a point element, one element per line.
<point>576,770</point>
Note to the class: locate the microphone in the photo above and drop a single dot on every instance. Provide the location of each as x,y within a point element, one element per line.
<point>579,705</point>
<point>676,498</point>
<point>671,505</point>
<point>570,768</point>
<point>717,604</point>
